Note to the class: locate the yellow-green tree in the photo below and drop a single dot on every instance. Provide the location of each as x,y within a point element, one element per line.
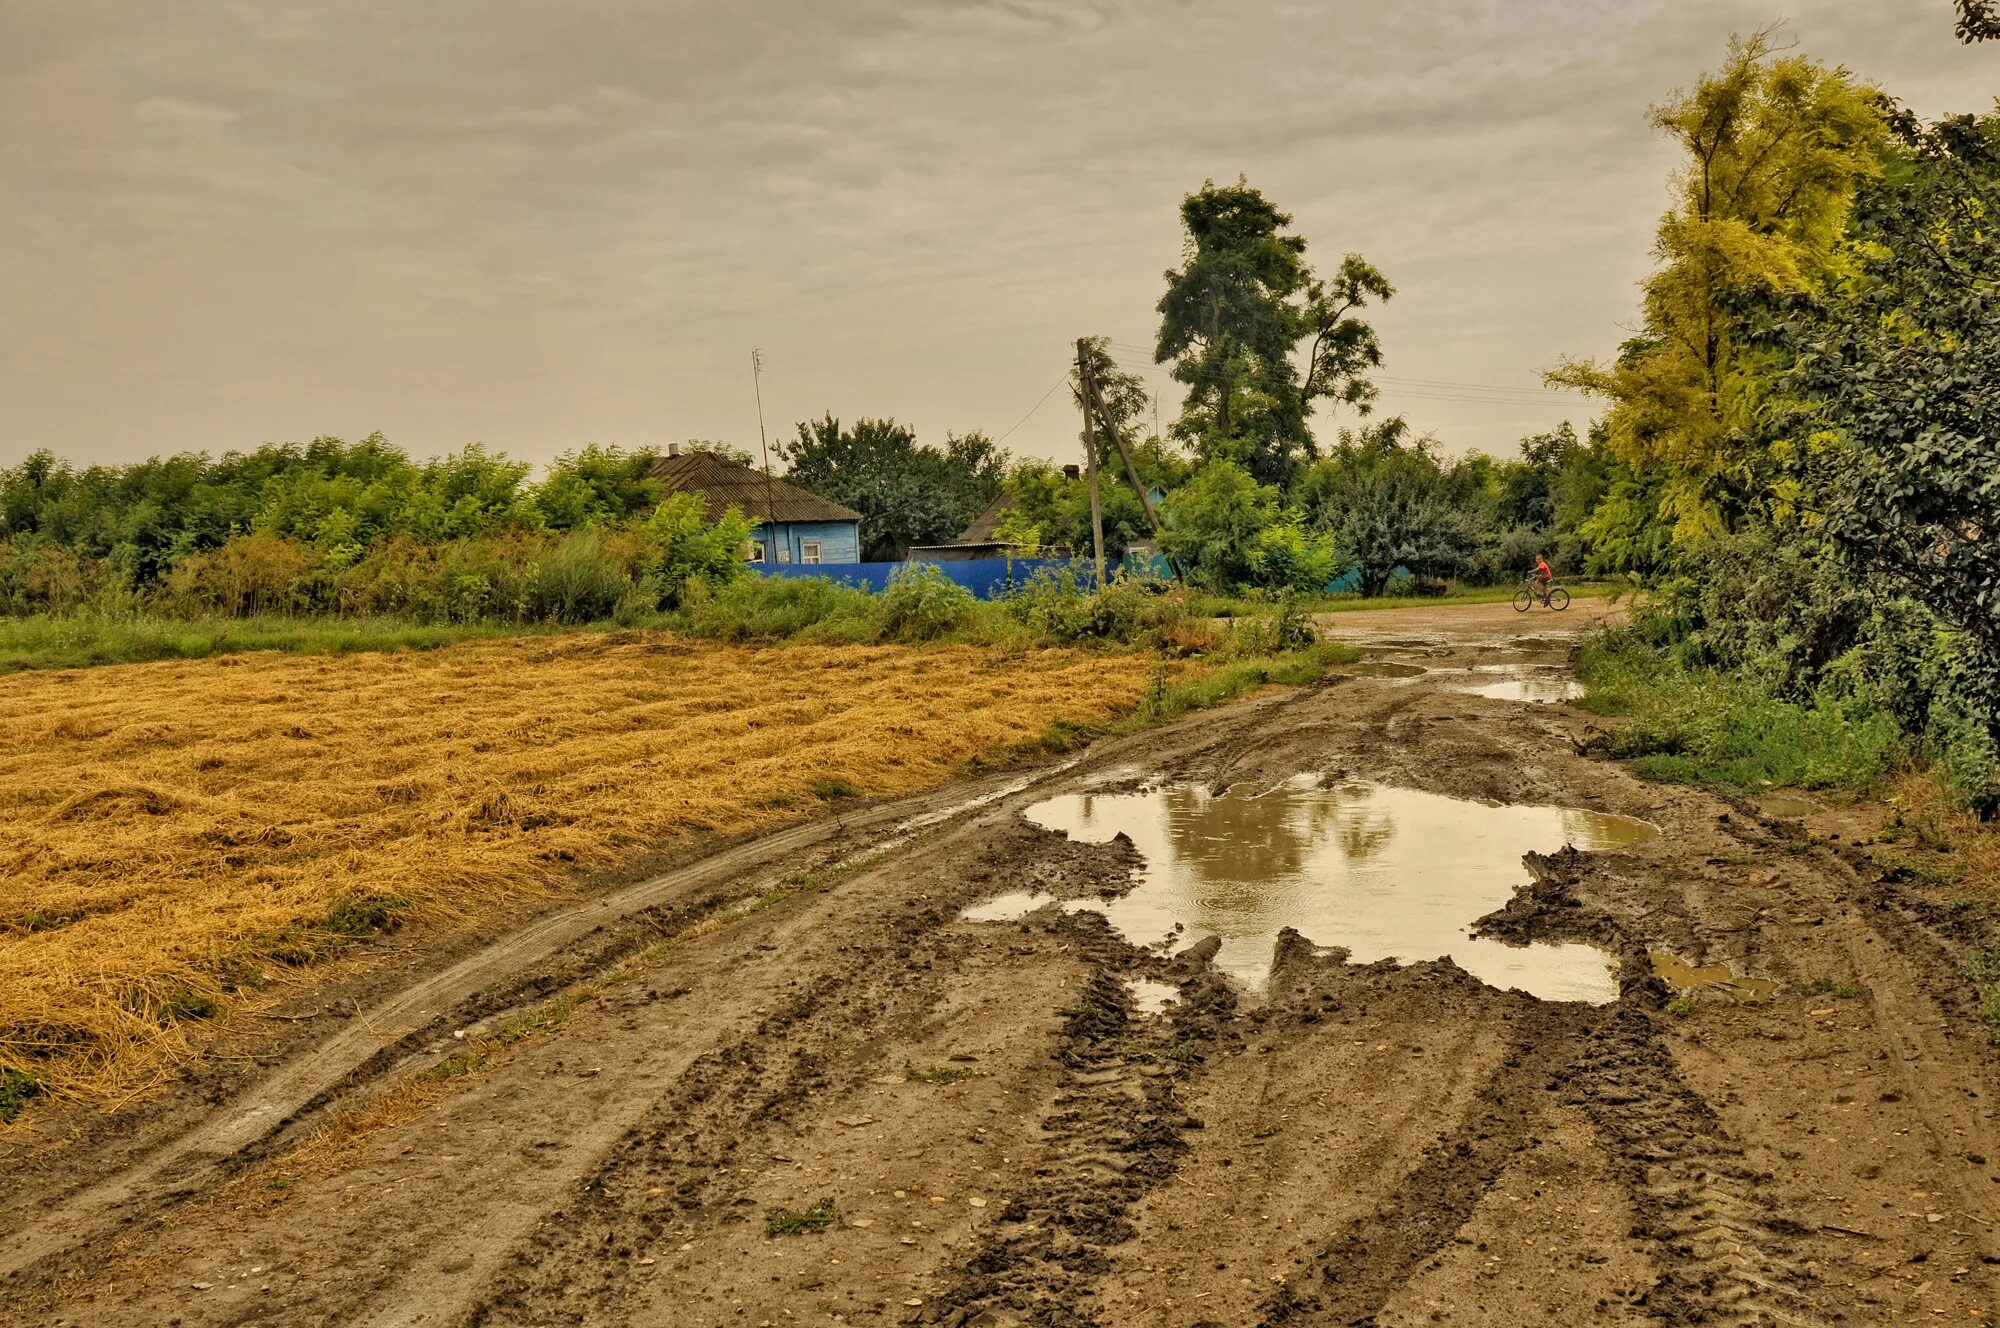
<point>1774,147</point>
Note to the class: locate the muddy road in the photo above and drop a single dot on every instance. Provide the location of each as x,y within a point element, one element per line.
<point>791,1082</point>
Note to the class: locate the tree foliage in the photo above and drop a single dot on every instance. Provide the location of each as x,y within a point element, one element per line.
<point>1905,366</point>
<point>1388,503</point>
<point>1773,149</point>
<point>1978,20</point>
<point>907,493</point>
<point>1233,319</point>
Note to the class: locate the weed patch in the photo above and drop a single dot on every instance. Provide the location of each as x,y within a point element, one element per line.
<point>810,1221</point>
<point>936,1074</point>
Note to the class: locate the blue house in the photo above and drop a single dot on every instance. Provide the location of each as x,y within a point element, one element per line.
<point>793,527</point>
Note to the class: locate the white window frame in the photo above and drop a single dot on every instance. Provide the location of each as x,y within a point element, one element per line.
<point>753,551</point>
<point>809,552</point>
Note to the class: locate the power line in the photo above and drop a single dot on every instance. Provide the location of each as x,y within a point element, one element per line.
<point>1127,351</point>
<point>1032,409</point>
<point>1423,389</point>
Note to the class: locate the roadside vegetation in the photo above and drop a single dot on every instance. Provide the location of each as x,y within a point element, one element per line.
<point>1807,423</point>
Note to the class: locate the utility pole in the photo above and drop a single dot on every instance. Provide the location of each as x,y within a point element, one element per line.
<point>764,446</point>
<point>1089,395</point>
<point>1093,402</point>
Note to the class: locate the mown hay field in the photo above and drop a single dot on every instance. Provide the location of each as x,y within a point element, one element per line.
<point>174,835</point>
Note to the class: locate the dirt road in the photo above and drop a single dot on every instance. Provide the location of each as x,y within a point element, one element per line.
<point>954,1121</point>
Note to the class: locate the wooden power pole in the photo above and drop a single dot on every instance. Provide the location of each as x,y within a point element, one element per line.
<point>1090,456</point>
<point>1093,404</point>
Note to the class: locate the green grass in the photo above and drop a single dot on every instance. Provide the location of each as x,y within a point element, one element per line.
<point>1823,986</point>
<point>1982,970</point>
<point>1680,1007</point>
<point>1705,728</point>
<point>811,1221</point>
<point>15,1090</point>
<point>81,640</point>
<point>1227,680</point>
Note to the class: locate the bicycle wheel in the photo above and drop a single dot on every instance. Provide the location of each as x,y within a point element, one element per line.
<point>1558,599</point>
<point>1524,600</point>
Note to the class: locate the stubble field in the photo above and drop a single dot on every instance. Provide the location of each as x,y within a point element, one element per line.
<point>179,838</point>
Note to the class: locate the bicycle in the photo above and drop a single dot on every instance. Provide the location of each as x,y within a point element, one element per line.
<point>1524,599</point>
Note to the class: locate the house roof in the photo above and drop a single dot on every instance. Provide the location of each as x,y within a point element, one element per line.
<point>761,497</point>
<point>986,526</point>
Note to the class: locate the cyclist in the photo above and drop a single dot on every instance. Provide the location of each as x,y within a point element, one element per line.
<point>1543,576</point>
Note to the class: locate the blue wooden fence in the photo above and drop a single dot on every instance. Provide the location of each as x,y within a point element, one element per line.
<point>988,578</point>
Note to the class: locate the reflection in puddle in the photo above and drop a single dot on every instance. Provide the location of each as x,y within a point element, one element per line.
<point>1381,668</point>
<point>1686,979</point>
<point>1151,997</point>
<point>1388,873</point>
<point>1537,688</point>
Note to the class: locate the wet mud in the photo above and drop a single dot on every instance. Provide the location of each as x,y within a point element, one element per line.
<point>798,1084</point>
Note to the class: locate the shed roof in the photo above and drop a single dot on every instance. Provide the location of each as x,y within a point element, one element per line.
<point>725,483</point>
<point>985,527</point>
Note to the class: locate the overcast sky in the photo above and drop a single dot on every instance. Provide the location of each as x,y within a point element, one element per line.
<point>536,224</point>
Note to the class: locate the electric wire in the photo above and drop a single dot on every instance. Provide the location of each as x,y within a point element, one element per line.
<point>1032,409</point>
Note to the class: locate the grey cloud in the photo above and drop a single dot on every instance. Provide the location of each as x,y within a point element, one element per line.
<point>537,224</point>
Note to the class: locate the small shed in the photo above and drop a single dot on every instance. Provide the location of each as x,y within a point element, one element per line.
<point>793,526</point>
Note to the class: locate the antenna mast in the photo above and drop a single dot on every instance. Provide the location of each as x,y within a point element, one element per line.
<point>764,446</point>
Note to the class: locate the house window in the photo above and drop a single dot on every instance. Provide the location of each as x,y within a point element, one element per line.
<point>753,551</point>
<point>784,553</point>
<point>809,551</point>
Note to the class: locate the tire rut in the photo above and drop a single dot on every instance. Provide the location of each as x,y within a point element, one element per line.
<point>1115,1133</point>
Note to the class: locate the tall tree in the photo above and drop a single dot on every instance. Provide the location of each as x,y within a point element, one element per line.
<point>1774,147</point>
<point>1232,321</point>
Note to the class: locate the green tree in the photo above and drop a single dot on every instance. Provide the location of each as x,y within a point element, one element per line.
<point>1774,148</point>
<point>907,494</point>
<point>1213,524</point>
<point>1905,369</point>
<point>1234,316</point>
<point>597,486</point>
<point>1388,504</point>
<point>1978,20</point>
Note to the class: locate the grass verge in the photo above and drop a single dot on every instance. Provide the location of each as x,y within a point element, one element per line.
<point>1701,727</point>
<point>82,640</point>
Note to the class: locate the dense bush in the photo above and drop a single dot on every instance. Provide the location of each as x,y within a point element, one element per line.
<point>1056,606</point>
<point>921,603</point>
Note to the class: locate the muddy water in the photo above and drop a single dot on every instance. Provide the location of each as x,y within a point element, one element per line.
<point>1387,873</point>
<point>1381,668</point>
<point>1786,806</point>
<point>1687,979</point>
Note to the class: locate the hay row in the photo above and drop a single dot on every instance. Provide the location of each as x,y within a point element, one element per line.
<point>172,834</point>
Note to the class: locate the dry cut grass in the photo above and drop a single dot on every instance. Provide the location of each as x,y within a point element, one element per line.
<point>175,834</point>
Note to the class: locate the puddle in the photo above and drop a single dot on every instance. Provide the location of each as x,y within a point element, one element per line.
<point>1686,979</point>
<point>1388,873</point>
<point>1786,806</point>
<point>1381,668</point>
<point>1151,997</point>
<point>1511,682</point>
<point>1537,691</point>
